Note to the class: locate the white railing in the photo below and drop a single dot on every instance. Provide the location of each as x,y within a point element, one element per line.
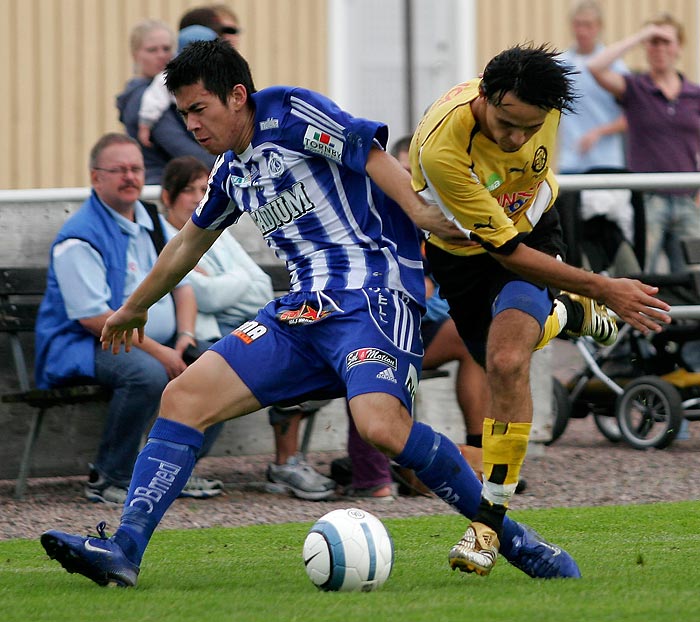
<point>631,181</point>
<point>62,195</point>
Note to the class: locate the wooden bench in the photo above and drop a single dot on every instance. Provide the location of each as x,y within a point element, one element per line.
<point>20,293</point>
<point>21,290</point>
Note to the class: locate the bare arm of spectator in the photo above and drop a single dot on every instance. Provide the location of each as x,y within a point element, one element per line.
<point>600,64</point>
<point>186,315</point>
<point>590,138</point>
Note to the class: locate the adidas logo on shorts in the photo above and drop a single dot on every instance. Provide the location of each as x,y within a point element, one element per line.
<point>387,374</point>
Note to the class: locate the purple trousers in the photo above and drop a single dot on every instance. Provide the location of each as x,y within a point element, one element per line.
<point>370,467</point>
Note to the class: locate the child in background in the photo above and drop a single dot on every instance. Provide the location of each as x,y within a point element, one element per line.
<point>156,98</point>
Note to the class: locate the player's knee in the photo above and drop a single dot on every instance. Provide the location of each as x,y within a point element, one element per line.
<point>385,438</point>
<point>508,364</point>
<point>176,403</point>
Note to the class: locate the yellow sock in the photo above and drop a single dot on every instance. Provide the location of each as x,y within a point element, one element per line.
<point>553,325</point>
<point>505,446</point>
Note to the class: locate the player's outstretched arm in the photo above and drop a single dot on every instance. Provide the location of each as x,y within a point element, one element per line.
<point>178,257</point>
<point>119,328</point>
<point>633,301</point>
<point>390,176</point>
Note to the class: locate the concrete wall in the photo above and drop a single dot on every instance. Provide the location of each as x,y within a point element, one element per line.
<point>70,434</point>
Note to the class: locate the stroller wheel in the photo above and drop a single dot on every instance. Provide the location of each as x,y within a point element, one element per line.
<point>561,410</point>
<point>608,426</point>
<point>649,413</point>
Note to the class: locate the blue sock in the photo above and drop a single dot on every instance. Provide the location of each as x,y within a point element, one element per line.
<point>439,464</point>
<point>160,473</point>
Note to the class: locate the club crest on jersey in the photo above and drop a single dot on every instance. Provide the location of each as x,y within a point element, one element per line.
<point>370,355</point>
<point>318,141</point>
<point>540,159</point>
<point>250,331</point>
<point>305,314</point>
<point>275,164</point>
<point>286,207</point>
<point>493,182</point>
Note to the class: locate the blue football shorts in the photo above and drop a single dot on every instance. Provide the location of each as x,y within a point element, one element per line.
<point>320,345</point>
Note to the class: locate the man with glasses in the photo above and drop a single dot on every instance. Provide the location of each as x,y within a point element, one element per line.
<point>98,258</point>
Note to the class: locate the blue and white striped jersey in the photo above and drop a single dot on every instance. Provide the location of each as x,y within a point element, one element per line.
<point>303,181</point>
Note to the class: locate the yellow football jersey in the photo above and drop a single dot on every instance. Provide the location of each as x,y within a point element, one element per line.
<point>493,195</point>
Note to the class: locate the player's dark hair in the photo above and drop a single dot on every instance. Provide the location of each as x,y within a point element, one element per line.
<point>215,63</point>
<point>533,74</point>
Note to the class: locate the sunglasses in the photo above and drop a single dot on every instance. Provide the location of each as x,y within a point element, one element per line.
<point>229,30</point>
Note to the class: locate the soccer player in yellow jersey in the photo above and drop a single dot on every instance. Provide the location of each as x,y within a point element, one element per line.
<point>482,153</point>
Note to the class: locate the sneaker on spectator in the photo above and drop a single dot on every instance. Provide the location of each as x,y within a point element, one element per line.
<point>202,488</point>
<point>100,490</point>
<point>299,478</point>
<point>521,486</point>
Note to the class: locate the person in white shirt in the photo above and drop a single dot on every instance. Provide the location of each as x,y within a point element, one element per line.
<point>229,286</point>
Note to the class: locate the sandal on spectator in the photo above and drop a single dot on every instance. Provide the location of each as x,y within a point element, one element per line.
<point>382,493</point>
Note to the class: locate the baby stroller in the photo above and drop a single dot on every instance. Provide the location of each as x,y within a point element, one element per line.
<point>640,388</point>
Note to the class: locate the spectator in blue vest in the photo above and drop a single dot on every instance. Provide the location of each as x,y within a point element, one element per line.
<point>98,258</point>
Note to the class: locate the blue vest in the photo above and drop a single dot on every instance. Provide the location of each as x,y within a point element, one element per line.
<point>64,349</point>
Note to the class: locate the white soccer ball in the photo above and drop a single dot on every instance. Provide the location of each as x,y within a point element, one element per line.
<point>348,551</point>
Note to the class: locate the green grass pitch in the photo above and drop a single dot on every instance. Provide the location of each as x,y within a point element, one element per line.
<point>638,563</point>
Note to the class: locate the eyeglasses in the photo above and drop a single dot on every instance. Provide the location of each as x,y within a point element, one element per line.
<point>229,30</point>
<point>122,170</point>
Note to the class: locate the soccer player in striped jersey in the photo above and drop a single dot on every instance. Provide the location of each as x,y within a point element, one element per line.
<point>482,153</point>
<point>326,196</point>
